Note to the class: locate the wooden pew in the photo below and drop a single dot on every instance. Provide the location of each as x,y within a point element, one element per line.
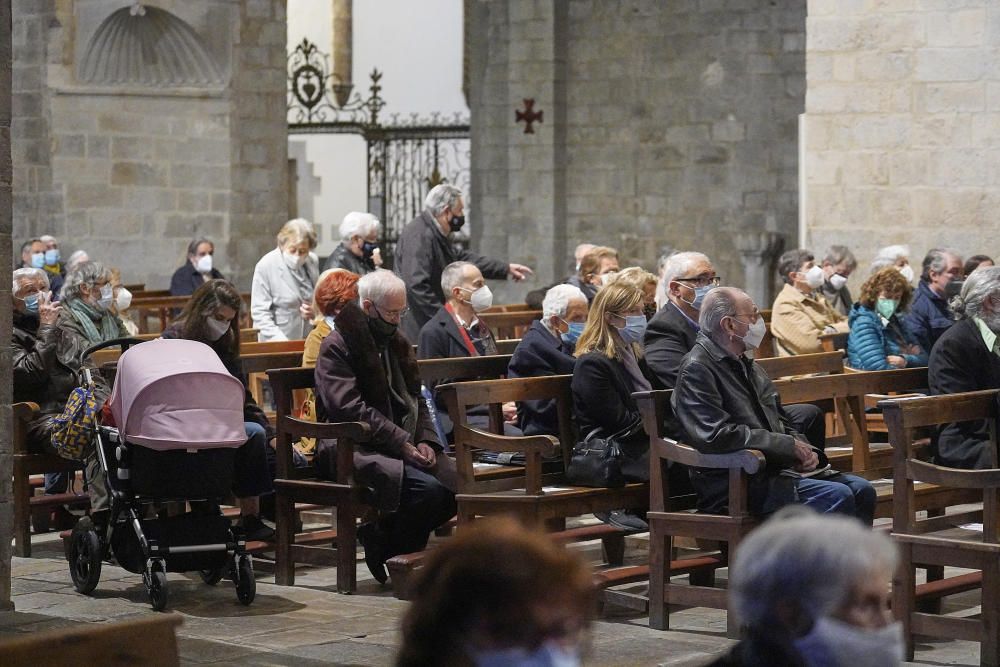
<point>160,308</point>
<point>511,324</point>
<point>149,641</point>
<point>27,463</point>
<point>935,542</point>
<point>834,341</point>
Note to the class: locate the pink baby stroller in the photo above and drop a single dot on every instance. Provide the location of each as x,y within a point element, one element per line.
<point>179,416</point>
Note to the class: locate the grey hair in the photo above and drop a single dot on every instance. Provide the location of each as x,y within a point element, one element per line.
<point>46,238</point>
<point>87,273</point>
<point>196,243</point>
<point>442,196</point>
<point>28,273</point>
<point>556,301</point>
<point>718,304</point>
<point>360,224</point>
<point>452,276</point>
<point>813,560</point>
<point>792,260</point>
<point>679,264</point>
<point>376,285</point>
<point>979,285</point>
<point>887,256</point>
<point>841,254</point>
<point>296,231</point>
<point>77,258</point>
<point>936,260</point>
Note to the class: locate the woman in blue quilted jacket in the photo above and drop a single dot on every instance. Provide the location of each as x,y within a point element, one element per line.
<point>878,340</point>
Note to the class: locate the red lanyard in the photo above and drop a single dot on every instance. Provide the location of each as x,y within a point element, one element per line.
<point>473,352</point>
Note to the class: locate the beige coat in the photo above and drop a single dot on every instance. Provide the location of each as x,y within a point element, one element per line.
<point>797,320</point>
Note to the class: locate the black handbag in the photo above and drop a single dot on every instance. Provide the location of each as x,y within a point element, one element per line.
<point>599,461</point>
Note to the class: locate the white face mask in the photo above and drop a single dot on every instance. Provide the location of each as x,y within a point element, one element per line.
<point>480,299</point>
<point>907,272</point>
<point>107,297</point>
<point>123,300</point>
<point>755,333</point>
<point>216,328</point>
<point>293,262</point>
<point>608,277</point>
<point>837,281</point>
<point>852,646</point>
<point>204,264</point>
<point>814,277</point>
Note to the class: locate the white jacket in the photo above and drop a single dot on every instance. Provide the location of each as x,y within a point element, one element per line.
<point>275,298</point>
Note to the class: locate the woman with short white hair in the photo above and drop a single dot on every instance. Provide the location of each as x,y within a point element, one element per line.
<point>281,294</point>
<point>811,589</point>
<point>358,251</point>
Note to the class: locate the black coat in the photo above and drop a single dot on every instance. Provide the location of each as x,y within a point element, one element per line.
<point>342,258</point>
<point>669,336</point>
<point>725,405</point>
<point>540,353</point>
<point>421,254</point>
<point>960,362</point>
<point>187,279</point>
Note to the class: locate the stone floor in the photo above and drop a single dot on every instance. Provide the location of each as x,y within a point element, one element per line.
<point>310,624</point>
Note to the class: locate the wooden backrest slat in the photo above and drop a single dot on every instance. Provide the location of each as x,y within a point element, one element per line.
<point>261,363</point>
<point>934,410</point>
<point>272,346</point>
<point>803,364</point>
<point>462,368</point>
<point>479,392</point>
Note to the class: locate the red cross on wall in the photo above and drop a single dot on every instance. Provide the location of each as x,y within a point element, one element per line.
<point>528,115</point>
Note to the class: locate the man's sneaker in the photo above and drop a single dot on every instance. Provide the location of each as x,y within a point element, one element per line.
<point>256,530</point>
<point>623,519</point>
<point>371,539</point>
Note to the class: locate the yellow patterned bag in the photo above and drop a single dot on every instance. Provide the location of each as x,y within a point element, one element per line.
<point>73,430</point>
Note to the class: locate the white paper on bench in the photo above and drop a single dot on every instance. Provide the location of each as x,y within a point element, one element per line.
<point>480,465</point>
<point>549,489</point>
<point>978,527</point>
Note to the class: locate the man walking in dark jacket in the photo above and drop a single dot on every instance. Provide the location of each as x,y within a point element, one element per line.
<point>424,249</point>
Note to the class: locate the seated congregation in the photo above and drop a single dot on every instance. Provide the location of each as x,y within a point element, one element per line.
<point>610,334</point>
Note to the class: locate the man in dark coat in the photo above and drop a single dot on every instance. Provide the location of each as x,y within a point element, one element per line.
<point>358,250</point>
<point>424,248</point>
<point>197,271</point>
<point>965,359</point>
<point>725,403</point>
<point>929,315</point>
<point>547,349</point>
<point>366,372</point>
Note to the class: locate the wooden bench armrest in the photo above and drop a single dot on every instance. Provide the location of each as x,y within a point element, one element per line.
<point>534,447</point>
<point>750,460</point>
<point>300,428</point>
<point>22,413</point>
<point>952,477</point>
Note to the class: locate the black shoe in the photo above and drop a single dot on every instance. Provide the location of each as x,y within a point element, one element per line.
<point>624,519</point>
<point>256,530</point>
<point>372,540</point>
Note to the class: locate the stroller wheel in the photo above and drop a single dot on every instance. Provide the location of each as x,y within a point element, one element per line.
<point>246,585</point>
<point>156,586</point>
<point>84,558</point>
<point>212,577</point>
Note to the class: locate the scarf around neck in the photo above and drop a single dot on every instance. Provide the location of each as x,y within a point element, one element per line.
<point>90,318</point>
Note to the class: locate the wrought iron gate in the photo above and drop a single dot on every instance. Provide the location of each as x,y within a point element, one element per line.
<point>406,156</point>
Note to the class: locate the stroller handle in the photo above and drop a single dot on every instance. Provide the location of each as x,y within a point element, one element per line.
<point>125,344</point>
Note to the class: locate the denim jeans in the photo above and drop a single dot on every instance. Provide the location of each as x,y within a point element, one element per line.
<point>843,494</point>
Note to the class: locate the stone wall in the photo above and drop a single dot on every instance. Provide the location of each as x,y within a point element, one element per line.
<point>665,124</point>
<point>6,491</point>
<point>131,172</point>
<point>903,126</point>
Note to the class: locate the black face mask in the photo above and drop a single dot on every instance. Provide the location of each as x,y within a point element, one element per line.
<point>381,330</point>
<point>368,249</point>
<point>649,310</point>
<point>953,288</point>
<point>457,222</point>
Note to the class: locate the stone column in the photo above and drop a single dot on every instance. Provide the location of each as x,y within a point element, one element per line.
<point>6,217</point>
<point>757,253</point>
<point>343,25</point>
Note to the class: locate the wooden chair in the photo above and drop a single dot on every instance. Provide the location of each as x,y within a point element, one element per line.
<point>150,641</point>
<point>934,541</point>
<point>665,525</point>
<point>303,485</point>
<point>27,463</point>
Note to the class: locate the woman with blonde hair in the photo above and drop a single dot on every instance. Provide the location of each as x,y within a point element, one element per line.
<point>283,281</point>
<point>609,368</point>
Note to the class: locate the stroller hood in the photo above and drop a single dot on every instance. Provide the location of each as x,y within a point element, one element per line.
<point>177,394</point>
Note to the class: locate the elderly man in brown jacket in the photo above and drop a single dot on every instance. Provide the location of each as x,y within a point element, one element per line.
<point>367,372</point>
<point>800,313</point>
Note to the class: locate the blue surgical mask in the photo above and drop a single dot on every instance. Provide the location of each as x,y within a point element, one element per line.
<point>575,330</point>
<point>52,257</point>
<point>31,303</point>
<point>368,249</point>
<point>699,296</point>
<point>634,329</point>
<point>37,260</point>
<point>549,654</point>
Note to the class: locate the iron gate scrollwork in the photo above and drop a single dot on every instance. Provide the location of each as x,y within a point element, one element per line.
<point>407,156</point>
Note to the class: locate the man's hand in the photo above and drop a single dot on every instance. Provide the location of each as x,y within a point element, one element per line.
<point>48,312</point>
<point>896,361</point>
<point>428,453</point>
<point>377,257</point>
<point>519,271</point>
<point>306,310</point>
<point>808,459</point>
<point>509,411</point>
<point>414,456</point>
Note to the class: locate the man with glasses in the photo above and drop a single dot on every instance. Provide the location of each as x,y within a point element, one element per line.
<point>687,278</point>
<point>367,372</point>
<point>724,403</point>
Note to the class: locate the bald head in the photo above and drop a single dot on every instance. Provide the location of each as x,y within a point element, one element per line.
<point>720,304</point>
